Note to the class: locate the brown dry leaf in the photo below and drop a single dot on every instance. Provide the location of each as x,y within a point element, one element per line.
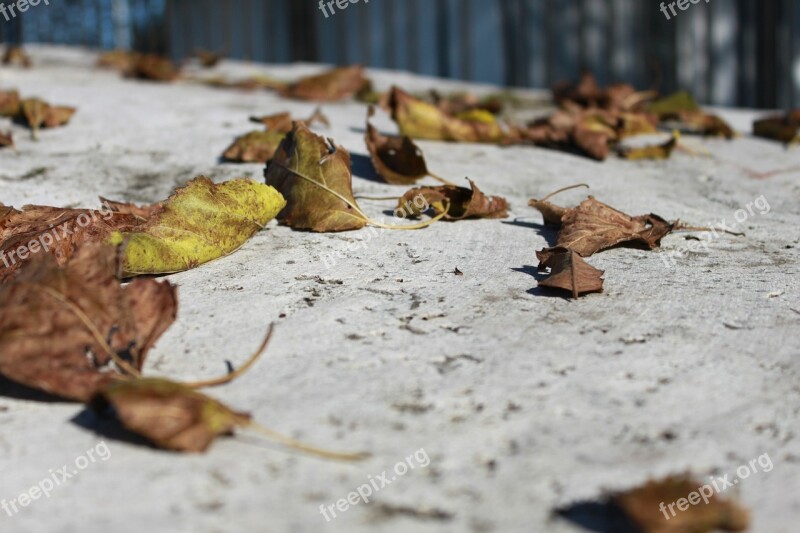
<point>309,206</point>
<point>594,226</point>
<point>588,132</point>
<point>658,151</point>
<point>463,102</point>
<point>282,122</point>
<point>207,58</point>
<point>176,417</point>
<point>587,93</point>
<point>58,116</point>
<point>260,146</point>
<point>254,147</point>
<point>247,84</point>
<point>170,415</point>
<point>59,232</point>
<point>15,55</point>
<point>6,139</point>
<point>153,67</point>
<point>682,108</point>
<point>455,203</point>
<point>39,114</point>
<point>10,104</point>
<point>568,271</point>
<point>418,119</point>
<point>331,86</point>
<point>396,158</point>
<point>121,60</point>
<point>783,128</point>
<point>643,505</point>
<point>62,327</point>
<point>34,111</point>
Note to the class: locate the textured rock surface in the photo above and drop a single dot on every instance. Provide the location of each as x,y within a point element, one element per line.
<point>523,401</point>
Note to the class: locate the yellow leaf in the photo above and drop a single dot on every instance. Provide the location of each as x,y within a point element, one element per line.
<point>199,223</point>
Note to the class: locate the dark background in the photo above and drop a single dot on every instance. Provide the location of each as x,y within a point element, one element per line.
<point>727,52</point>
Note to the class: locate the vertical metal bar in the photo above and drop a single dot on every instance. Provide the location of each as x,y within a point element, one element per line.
<point>595,45</point>
<point>121,16</point>
<point>724,68</point>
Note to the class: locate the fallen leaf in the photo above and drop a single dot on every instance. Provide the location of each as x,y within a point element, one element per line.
<point>260,146</point>
<point>587,93</point>
<point>418,119</point>
<point>247,84</point>
<point>673,104</point>
<point>683,108</point>
<point>569,272</point>
<point>208,59</point>
<point>309,206</point>
<point>594,226</point>
<point>176,417</point>
<point>170,415</point>
<point>34,111</point>
<point>6,139</point>
<point>453,202</point>
<point>121,60</point>
<point>396,158</point>
<point>10,104</point>
<point>282,122</point>
<point>39,114</point>
<point>632,124</point>
<point>783,128</point>
<point>658,151</point>
<point>464,102</point>
<point>51,230</point>
<point>15,55</point>
<point>254,147</point>
<point>643,506</point>
<point>62,327</point>
<point>331,86</point>
<point>153,67</point>
<point>590,133</point>
<point>198,223</point>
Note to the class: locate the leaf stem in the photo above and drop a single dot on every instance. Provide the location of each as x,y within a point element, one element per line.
<point>565,189</point>
<point>238,372</point>
<point>303,447</point>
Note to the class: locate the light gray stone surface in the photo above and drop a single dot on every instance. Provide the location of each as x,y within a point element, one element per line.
<point>523,401</point>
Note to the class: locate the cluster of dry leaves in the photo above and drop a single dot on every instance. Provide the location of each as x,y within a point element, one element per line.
<point>70,327</point>
<point>589,228</point>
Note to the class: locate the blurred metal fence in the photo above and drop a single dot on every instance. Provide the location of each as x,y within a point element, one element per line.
<point>727,52</point>
<point>94,23</point>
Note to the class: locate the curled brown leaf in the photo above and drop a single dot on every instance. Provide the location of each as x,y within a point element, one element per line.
<point>61,328</point>
<point>453,202</point>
